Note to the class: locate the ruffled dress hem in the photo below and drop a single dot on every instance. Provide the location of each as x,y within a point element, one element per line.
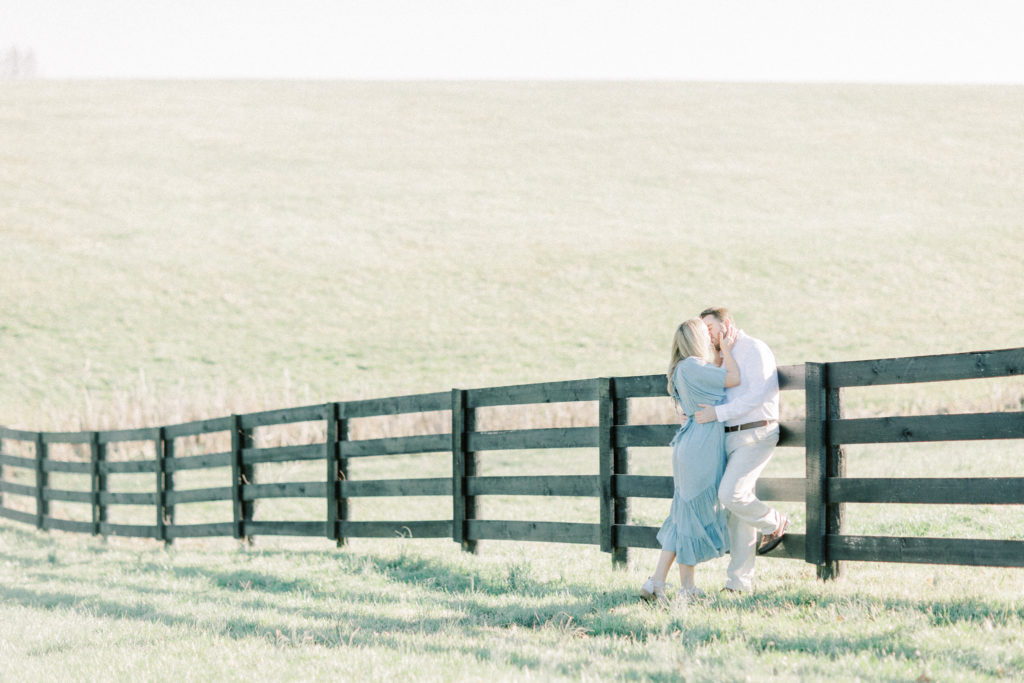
<point>696,529</point>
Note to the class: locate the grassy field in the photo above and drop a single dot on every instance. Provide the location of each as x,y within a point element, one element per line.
<point>184,250</point>
<point>175,249</point>
<point>87,610</point>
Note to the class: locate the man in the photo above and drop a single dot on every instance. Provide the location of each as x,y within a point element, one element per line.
<point>751,417</point>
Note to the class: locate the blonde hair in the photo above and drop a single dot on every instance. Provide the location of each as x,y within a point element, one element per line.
<point>691,339</point>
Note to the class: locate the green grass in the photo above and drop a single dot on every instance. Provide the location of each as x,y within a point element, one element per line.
<point>426,611</point>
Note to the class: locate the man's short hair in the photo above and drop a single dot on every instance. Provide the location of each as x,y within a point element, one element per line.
<point>720,312</point>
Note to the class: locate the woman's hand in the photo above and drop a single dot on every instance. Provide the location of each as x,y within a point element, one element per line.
<point>728,340</point>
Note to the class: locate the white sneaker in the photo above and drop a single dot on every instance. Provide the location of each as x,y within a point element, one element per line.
<point>691,594</point>
<point>654,591</point>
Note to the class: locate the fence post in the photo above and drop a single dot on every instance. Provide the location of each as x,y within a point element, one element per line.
<point>3,498</point>
<point>606,459</point>
<point>240,476</point>
<point>42,478</point>
<point>168,483</point>
<point>98,453</point>
<point>620,465</point>
<point>817,455</point>
<point>337,471</point>
<point>161,495</point>
<point>835,466</point>
<point>463,465</point>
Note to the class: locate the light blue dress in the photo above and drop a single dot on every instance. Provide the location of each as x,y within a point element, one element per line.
<point>697,526</point>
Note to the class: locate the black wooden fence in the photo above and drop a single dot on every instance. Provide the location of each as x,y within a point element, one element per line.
<point>822,434</point>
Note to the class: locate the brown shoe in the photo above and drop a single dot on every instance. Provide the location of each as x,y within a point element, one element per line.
<point>768,543</point>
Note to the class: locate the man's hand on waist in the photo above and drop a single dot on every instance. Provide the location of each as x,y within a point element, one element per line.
<point>705,414</point>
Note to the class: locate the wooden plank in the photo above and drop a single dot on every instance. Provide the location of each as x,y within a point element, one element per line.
<point>606,459</point>
<point>18,515</point>
<point>930,491</point>
<point>254,456</point>
<point>17,434</point>
<point>631,536</point>
<point>283,416</point>
<point>42,480</point>
<point>343,438</point>
<point>237,444</point>
<point>426,443</point>
<point>918,428</point>
<point>938,368</point>
<point>18,489</point>
<point>67,466</point>
<point>641,386</point>
<point>620,467</point>
<point>524,439</point>
<point>792,377</point>
<point>199,462</point>
<point>65,495</point>
<point>179,497</point>
<point>545,392</point>
<point>65,437</point>
<point>119,498</point>
<point>283,528</point>
<point>792,546</point>
<point>788,489</point>
<point>132,530</point>
<point>169,486</point>
<point>15,461</point>
<point>459,492</point>
<point>643,486</point>
<point>545,532</point>
<point>397,487</point>
<point>128,466</point>
<point>295,489</point>
<point>644,436</point>
<point>784,489</point>
<point>98,482</point>
<point>791,434</point>
<point>121,435</point>
<point>960,551</point>
<point>219,424</point>
<point>441,528</point>
<point>332,453</point>
<point>199,530</point>
<point>160,499</point>
<point>67,525</point>
<point>835,468</point>
<point>816,461</point>
<point>572,485</point>
<point>396,405</point>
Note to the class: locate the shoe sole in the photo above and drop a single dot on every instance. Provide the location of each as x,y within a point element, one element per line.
<point>774,543</point>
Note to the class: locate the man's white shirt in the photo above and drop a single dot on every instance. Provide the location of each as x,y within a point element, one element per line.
<point>757,395</point>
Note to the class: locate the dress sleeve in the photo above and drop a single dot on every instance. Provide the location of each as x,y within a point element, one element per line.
<point>704,377</point>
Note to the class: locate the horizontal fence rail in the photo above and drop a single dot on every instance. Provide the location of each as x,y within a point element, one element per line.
<point>822,433</point>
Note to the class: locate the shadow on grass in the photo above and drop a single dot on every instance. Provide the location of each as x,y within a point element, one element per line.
<point>395,601</point>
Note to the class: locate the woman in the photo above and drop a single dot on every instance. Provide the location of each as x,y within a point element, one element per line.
<point>696,529</point>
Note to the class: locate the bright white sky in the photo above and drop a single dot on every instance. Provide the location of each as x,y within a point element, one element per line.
<point>916,41</point>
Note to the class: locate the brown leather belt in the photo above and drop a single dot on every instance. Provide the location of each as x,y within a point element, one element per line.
<point>750,425</point>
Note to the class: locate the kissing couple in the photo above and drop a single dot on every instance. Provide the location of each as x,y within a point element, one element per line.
<point>726,387</point>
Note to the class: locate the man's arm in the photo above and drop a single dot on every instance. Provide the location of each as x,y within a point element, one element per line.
<point>757,370</point>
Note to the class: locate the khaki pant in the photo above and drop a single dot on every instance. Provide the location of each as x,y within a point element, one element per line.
<point>747,453</point>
